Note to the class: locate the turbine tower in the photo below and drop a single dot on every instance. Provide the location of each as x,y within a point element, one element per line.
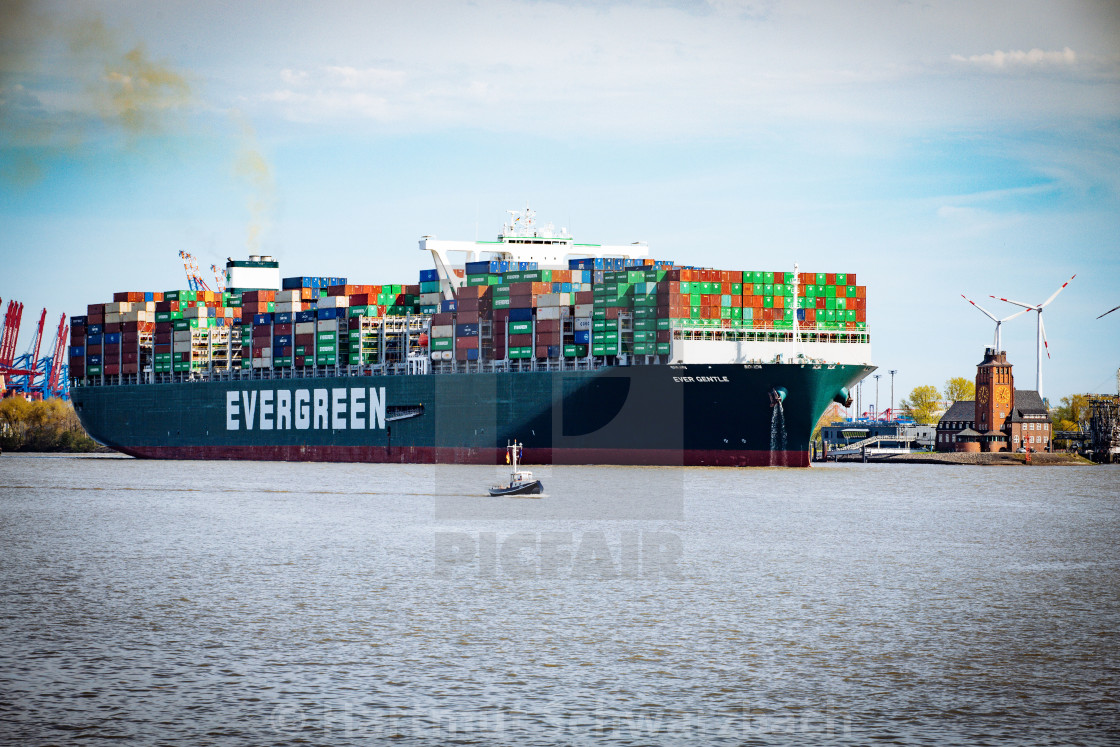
<point>992,316</point>
<point>1041,342</point>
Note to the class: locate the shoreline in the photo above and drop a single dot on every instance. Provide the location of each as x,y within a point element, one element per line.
<point>999,459</point>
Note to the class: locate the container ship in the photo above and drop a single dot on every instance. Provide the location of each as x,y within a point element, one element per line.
<point>583,353</point>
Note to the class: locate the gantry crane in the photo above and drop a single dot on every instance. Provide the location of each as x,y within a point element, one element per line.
<point>194,280</point>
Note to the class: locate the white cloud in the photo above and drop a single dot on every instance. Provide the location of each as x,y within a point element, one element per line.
<point>1035,58</point>
<point>350,77</point>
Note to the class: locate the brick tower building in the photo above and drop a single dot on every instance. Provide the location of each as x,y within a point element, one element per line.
<point>995,399</point>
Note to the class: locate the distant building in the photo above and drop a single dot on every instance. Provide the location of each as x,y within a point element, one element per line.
<point>1002,418</point>
<point>895,434</point>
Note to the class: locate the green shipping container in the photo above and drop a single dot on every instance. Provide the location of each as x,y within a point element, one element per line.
<point>575,351</point>
<point>520,328</point>
<point>442,343</point>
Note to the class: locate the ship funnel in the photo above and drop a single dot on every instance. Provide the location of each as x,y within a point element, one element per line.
<point>843,397</point>
<point>778,395</point>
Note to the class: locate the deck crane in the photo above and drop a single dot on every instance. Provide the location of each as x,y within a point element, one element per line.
<point>194,280</point>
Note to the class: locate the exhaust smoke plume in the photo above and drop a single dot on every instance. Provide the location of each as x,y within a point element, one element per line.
<point>251,167</point>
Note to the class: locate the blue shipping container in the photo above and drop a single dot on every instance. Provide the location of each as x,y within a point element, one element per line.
<point>466,330</point>
<point>74,320</point>
<point>94,329</point>
<point>278,340</point>
<point>472,354</point>
<point>330,313</point>
<point>262,319</point>
<point>521,315</point>
<point>94,359</point>
<point>428,276</point>
<point>305,316</point>
<point>284,317</point>
<point>583,337</point>
<point>112,338</point>
<point>77,351</point>
<point>446,306</point>
<point>92,339</point>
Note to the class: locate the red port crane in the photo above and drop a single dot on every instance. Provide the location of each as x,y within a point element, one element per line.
<point>194,280</point>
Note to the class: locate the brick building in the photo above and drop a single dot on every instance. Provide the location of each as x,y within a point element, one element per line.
<point>1001,418</point>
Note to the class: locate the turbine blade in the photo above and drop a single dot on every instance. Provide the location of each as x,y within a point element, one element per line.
<point>1055,295</point>
<point>1109,311</point>
<point>986,312</point>
<point>1017,303</point>
<point>1042,328</point>
<point>1017,313</point>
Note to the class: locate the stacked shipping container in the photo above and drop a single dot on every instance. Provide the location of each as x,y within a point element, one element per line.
<point>595,308</point>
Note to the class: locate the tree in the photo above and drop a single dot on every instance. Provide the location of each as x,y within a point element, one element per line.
<point>923,404</point>
<point>1072,410</point>
<point>960,389</point>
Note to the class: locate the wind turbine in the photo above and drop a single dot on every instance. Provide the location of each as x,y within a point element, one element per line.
<point>1114,308</point>
<point>991,316</point>
<point>1041,343</point>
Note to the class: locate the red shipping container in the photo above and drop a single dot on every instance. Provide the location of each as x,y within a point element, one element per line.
<point>548,325</point>
<point>830,278</point>
<point>129,356</point>
<point>305,340</point>
<point>851,278</point>
<point>466,343</point>
<point>342,290</point>
<point>95,308</point>
<point>520,341</point>
<point>162,347</point>
<point>585,297</point>
<point>282,329</point>
<point>861,315</point>
<point>77,339</point>
<point>111,369</point>
<point>443,319</point>
<point>548,338</point>
<point>256,296</point>
<point>501,315</point>
<point>522,302</point>
<point>820,302</point>
<point>612,312</point>
<point>262,333</point>
<point>468,317</point>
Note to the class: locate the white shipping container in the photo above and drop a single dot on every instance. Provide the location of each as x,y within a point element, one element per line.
<point>196,312</point>
<point>289,308</point>
<point>443,330</point>
<point>430,299</point>
<point>305,328</point>
<point>581,324</point>
<point>288,296</point>
<point>549,312</point>
<point>327,325</point>
<point>140,315</point>
<point>181,335</point>
<point>584,310</point>
<point>112,317</point>
<point>445,354</point>
<point>546,300</point>
<point>334,302</point>
<point>118,307</point>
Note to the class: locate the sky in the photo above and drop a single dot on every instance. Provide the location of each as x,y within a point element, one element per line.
<point>932,148</point>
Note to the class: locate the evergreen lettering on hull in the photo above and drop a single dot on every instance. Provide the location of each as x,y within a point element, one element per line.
<point>337,408</point>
